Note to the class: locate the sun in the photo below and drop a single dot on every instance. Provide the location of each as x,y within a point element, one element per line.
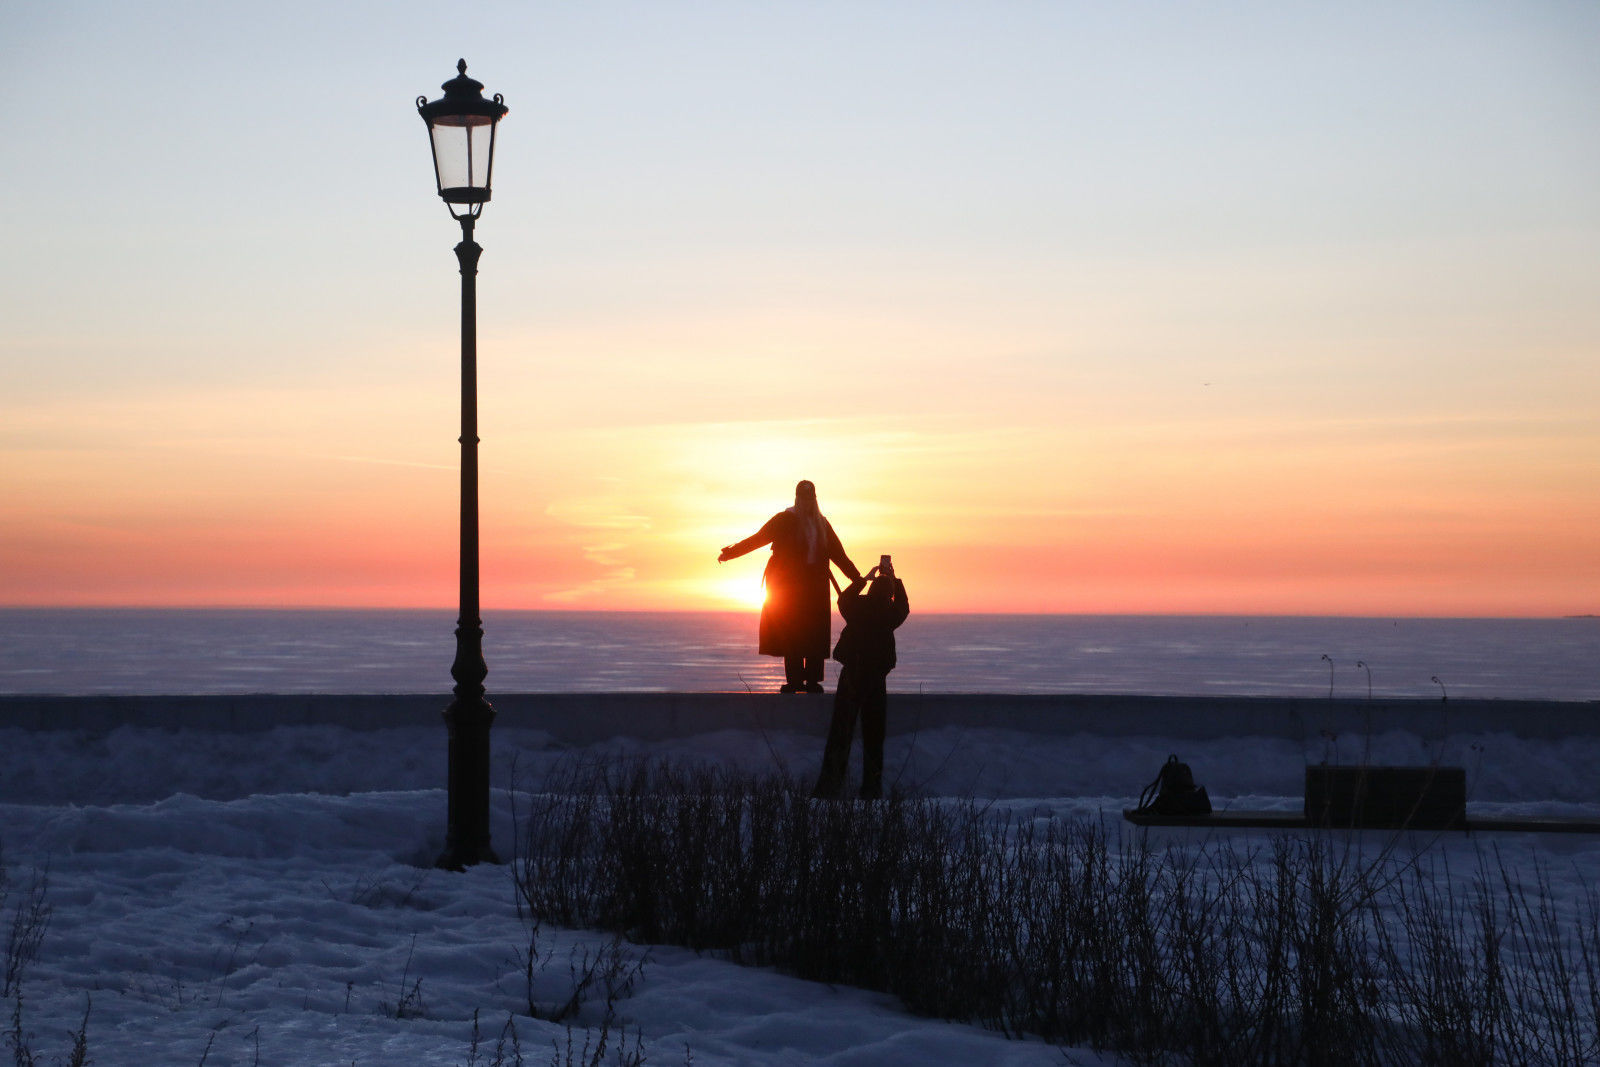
<point>745,592</point>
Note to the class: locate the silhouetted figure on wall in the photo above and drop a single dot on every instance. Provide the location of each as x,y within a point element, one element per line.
<point>796,619</point>
<point>866,651</point>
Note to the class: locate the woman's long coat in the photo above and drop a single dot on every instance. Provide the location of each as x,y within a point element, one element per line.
<point>797,617</point>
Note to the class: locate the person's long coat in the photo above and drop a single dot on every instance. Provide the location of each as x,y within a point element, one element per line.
<point>796,619</point>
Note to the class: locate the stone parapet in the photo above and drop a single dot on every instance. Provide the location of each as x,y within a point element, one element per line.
<point>581,718</point>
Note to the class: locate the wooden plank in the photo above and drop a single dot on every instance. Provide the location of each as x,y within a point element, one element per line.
<point>1537,824</point>
<point>1277,820</point>
<point>1293,820</point>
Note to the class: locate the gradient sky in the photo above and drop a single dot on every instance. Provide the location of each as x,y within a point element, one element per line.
<point>1237,307</point>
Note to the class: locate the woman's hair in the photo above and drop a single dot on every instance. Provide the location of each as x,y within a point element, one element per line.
<point>805,496</point>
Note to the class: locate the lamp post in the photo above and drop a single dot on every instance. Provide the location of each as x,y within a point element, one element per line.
<point>461,127</point>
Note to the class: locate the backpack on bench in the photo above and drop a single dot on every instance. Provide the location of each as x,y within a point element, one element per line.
<point>1174,792</point>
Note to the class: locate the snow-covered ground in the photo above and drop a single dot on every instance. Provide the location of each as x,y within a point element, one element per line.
<point>225,896</point>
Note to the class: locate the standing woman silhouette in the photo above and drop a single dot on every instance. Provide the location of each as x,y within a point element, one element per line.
<point>797,617</point>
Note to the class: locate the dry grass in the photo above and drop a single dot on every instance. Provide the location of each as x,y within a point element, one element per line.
<point>1302,952</point>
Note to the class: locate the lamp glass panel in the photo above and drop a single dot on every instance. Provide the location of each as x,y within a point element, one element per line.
<point>461,148</point>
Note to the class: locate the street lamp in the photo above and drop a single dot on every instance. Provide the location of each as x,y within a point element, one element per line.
<point>461,126</point>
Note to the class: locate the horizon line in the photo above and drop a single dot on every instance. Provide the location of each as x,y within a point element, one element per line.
<point>754,612</point>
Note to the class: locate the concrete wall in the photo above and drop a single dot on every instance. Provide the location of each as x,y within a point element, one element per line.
<point>581,718</point>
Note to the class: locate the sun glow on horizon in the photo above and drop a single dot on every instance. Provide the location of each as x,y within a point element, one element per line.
<point>744,592</point>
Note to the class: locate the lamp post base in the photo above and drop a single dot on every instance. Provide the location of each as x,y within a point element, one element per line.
<point>467,836</point>
<point>458,860</point>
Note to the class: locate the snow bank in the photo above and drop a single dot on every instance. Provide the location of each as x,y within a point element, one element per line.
<point>271,890</point>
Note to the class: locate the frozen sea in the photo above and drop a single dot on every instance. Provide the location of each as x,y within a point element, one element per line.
<point>86,651</point>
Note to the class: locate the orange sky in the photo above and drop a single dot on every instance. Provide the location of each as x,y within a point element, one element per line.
<point>1187,517</point>
<point>1239,310</point>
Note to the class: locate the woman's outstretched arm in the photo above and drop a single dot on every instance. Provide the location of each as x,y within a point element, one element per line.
<point>763,536</point>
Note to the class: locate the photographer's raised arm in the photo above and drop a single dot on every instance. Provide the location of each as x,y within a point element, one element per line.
<point>902,606</point>
<point>858,583</point>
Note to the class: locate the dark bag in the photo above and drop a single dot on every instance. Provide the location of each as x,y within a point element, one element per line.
<point>1174,792</point>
